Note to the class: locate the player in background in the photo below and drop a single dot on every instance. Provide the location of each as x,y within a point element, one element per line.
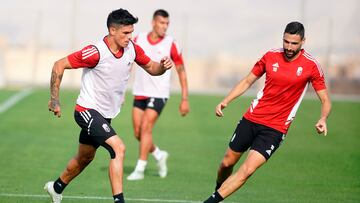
<point>152,92</point>
<point>263,127</point>
<point>106,70</point>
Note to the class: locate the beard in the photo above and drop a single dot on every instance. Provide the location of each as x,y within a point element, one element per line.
<point>290,54</point>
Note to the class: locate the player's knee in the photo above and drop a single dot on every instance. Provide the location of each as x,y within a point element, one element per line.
<point>247,170</point>
<point>227,163</point>
<point>137,134</point>
<point>85,160</point>
<point>110,150</point>
<point>145,129</point>
<point>117,152</point>
<point>120,152</point>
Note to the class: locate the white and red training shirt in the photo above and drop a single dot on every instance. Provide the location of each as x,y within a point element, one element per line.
<point>146,85</point>
<point>105,75</point>
<point>285,86</point>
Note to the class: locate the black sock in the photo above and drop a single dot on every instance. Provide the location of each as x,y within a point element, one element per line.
<point>214,198</point>
<point>218,185</point>
<point>119,198</point>
<point>59,186</point>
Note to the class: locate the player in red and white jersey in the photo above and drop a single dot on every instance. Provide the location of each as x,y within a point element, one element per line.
<point>106,70</point>
<point>152,92</point>
<point>288,72</point>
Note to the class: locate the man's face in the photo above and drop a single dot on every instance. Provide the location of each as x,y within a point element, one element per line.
<point>292,45</point>
<point>160,25</point>
<point>122,34</point>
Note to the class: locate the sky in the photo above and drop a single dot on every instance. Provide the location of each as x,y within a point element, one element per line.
<point>203,28</point>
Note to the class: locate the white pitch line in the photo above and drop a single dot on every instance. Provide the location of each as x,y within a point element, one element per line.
<point>14,99</point>
<point>99,198</point>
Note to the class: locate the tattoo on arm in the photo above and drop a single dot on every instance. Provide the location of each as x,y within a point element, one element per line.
<point>54,86</point>
<point>180,68</point>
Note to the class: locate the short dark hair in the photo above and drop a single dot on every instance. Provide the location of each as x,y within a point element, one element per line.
<point>161,12</point>
<point>295,28</point>
<point>120,17</point>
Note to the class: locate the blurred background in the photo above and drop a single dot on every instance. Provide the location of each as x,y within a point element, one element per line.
<point>220,40</point>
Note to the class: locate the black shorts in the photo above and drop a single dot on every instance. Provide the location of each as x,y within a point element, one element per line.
<point>260,138</point>
<point>95,129</point>
<point>156,104</point>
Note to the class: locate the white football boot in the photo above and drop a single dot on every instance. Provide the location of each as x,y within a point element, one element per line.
<point>136,175</point>
<point>55,197</point>
<point>162,164</point>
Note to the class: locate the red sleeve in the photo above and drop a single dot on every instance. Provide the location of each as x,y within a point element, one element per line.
<point>176,55</point>
<point>317,78</point>
<point>259,67</point>
<point>88,57</point>
<point>141,58</point>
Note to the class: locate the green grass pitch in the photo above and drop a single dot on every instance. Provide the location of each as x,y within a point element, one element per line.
<point>35,146</point>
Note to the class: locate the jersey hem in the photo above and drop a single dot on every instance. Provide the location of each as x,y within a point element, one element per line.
<point>278,129</point>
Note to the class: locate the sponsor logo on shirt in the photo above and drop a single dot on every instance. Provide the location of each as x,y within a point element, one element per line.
<point>299,71</point>
<point>275,67</point>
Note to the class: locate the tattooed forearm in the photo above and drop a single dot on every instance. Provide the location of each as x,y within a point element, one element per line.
<point>180,68</point>
<point>55,84</point>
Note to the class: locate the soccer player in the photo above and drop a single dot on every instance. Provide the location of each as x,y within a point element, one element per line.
<point>152,92</point>
<point>263,127</point>
<point>106,68</point>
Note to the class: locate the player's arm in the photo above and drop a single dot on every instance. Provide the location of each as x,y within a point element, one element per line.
<point>325,111</point>
<point>238,90</point>
<point>88,57</point>
<point>176,56</point>
<point>184,107</point>
<point>154,68</point>
<point>56,77</point>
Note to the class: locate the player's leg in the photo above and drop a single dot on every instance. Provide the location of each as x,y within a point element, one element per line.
<point>147,144</point>
<point>148,119</point>
<point>160,156</point>
<point>146,141</point>
<point>85,155</point>
<point>226,166</point>
<point>139,106</point>
<point>87,145</point>
<point>152,112</point>
<point>86,152</point>
<point>100,131</point>
<point>253,161</point>
<point>137,114</point>
<point>263,146</point>
<point>116,148</point>
<point>240,141</point>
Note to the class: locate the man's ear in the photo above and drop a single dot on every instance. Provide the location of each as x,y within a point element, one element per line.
<point>303,41</point>
<point>112,30</point>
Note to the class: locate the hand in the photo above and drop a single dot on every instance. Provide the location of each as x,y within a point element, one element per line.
<point>219,109</point>
<point>167,63</point>
<point>184,107</point>
<point>54,106</point>
<point>321,127</point>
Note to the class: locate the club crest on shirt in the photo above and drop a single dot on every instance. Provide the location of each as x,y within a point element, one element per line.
<point>106,127</point>
<point>275,67</point>
<point>299,71</point>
